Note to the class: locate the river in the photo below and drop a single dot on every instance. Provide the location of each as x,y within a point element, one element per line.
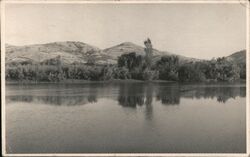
<point>126,117</point>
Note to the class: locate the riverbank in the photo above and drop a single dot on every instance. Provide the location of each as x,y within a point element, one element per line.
<point>75,81</point>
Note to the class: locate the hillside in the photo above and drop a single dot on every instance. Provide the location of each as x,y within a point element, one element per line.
<point>76,52</point>
<point>128,47</point>
<point>70,52</point>
<point>238,57</point>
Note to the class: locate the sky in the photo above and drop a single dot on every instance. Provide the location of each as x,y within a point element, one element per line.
<point>194,30</point>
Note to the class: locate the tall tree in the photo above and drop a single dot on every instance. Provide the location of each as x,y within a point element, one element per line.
<point>149,52</point>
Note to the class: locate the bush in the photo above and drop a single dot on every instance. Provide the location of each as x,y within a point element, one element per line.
<point>121,73</point>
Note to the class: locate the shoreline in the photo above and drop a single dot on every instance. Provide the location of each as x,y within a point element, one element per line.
<point>89,81</point>
<point>72,81</point>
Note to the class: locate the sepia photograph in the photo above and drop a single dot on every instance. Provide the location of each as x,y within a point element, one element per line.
<point>142,78</point>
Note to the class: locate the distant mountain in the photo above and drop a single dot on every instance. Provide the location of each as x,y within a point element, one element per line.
<point>78,52</point>
<point>238,57</point>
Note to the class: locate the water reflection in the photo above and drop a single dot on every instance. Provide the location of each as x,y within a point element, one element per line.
<point>221,94</point>
<point>151,117</point>
<point>128,95</point>
<point>52,100</point>
<point>131,96</point>
<point>169,95</point>
<point>148,102</point>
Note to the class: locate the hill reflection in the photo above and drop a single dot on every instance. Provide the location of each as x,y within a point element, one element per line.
<point>128,95</point>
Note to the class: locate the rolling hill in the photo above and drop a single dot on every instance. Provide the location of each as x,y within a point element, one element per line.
<point>79,52</point>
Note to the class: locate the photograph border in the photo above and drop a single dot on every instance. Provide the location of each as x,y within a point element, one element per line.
<point>244,3</point>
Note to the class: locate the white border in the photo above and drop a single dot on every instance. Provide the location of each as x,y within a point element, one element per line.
<point>243,2</point>
<point>125,1</point>
<point>247,71</point>
<point>3,77</point>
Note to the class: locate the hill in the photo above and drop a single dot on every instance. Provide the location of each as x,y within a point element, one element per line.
<point>79,52</point>
<point>69,51</point>
<point>76,52</point>
<point>128,47</point>
<point>238,57</point>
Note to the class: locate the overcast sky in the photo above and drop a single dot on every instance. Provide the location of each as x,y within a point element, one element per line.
<point>193,30</point>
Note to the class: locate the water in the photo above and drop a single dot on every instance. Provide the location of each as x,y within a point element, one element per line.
<point>126,117</point>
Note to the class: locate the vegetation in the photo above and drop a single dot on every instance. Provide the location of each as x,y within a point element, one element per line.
<point>129,66</point>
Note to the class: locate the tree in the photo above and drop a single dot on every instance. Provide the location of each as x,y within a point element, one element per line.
<point>20,75</point>
<point>121,73</point>
<point>226,70</point>
<point>149,52</point>
<point>189,73</point>
<point>242,67</point>
<point>148,74</point>
<point>107,73</point>
<point>168,68</point>
<point>90,57</point>
<point>130,61</point>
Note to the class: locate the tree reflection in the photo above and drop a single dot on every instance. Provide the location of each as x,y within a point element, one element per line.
<point>148,102</point>
<point>92,95</point>
<point>49,100</point>
<point>221,94</point>
<point>169,95</point>
<point>58,97</point>
<point>130,94</point>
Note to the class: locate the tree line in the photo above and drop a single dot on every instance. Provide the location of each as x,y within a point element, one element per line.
<point>131,66</point>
